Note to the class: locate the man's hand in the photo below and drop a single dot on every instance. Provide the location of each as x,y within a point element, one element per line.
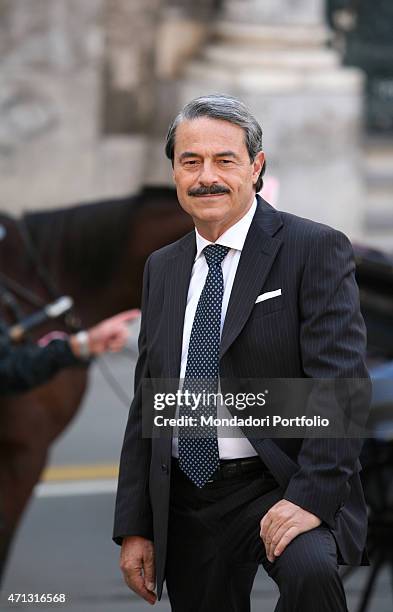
<point>137,565</point>
<point>282,523</point>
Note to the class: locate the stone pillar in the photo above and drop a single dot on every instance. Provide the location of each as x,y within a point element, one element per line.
<point>130,31</point>
<point>274,56</point>
<point>302,12</point>
<point>184,27</point>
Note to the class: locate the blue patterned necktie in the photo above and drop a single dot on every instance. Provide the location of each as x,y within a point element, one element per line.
<point>198,451</point>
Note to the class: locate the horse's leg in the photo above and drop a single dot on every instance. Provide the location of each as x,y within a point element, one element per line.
<point>28,425</point>
<point>5,543</point>
<point>20,469</point>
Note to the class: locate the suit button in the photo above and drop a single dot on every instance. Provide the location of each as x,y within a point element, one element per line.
<point>164,468</point>
<point>339,509</point>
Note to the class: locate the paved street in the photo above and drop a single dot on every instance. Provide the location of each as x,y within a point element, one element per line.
<point>64,544</point>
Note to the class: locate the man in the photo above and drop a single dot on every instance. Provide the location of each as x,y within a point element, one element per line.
<point>204,513</point>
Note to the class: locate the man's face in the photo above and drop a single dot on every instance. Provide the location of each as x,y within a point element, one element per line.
<point>212,171</point>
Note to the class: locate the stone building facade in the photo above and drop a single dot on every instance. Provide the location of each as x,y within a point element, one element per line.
<point>87,90</point>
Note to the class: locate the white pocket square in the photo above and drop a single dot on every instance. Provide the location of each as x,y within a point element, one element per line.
<point>268,295</point>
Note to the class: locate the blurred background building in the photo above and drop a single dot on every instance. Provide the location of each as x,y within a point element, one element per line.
<point>87,90</point>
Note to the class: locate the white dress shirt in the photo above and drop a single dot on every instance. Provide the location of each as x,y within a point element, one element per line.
<point>237,445</point>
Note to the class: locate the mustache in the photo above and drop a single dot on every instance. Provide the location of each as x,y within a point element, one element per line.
<point>212,190</point>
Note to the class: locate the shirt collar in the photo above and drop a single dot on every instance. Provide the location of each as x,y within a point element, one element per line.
<point>234,237</point>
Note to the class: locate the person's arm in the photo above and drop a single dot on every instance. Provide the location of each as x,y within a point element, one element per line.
<point>133,523</point>
<point>333,346</point>
<point>23,367</point>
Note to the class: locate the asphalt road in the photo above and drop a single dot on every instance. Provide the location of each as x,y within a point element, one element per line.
<point>64,543</point>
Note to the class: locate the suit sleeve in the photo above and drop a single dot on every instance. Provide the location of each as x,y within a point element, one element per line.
<point>333,345</point>
<point>133,514</point>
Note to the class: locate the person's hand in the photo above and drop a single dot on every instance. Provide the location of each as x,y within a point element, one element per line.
<point>282,523</point>
<point>138,567</point>
<point>109,335</point>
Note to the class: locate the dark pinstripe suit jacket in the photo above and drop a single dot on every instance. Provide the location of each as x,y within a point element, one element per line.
<point>314,329</point>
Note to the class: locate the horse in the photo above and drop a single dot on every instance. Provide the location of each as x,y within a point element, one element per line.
<point>95,253</point>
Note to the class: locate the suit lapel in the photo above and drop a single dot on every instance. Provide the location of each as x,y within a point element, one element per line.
<point>258,254</point>
<point>178,273</point>
<point>177,280</point>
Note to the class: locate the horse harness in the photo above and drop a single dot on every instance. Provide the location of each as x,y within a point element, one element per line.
<point>11,289</point>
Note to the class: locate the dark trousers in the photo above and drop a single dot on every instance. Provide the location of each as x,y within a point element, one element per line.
<point>214,549</point>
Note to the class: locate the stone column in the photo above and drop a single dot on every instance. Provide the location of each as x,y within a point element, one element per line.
<point>274,55</point>
<point>130,30</point>
<point>302,12</point>
<point>184,27</point>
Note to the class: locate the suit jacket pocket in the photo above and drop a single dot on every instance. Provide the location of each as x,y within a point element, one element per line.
<point>267,306</point>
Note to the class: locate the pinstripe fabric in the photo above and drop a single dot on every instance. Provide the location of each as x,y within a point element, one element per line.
<point>218,529</point>
<point>307,575</point>
<point>314,329</point>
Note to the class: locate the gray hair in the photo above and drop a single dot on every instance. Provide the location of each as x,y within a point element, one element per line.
<point>227,108</point>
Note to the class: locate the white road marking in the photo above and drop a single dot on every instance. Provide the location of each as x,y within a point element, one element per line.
<point>77,487</point>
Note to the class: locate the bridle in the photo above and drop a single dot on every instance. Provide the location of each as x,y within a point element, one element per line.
<point>11,289</point>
